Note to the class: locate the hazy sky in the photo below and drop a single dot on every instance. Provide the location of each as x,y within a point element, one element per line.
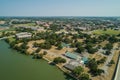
<point>59,7</point>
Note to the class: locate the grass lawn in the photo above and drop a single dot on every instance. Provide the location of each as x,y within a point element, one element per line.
<point>108,31</point>
<point>29,24</point>
<point>11,29</point>
<point>11,39</point>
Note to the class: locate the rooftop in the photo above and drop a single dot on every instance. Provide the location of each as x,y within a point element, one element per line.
<point>84,59</point>
<point>65,45</point>
<point>71,55</point>
<point>72,65</point>
<point>23,35</point>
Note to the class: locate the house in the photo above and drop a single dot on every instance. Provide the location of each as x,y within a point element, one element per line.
<point>2,22</point>
<point>75,56</point>
<point>23,35</point>
<point>65,45</point>
<point>81,28</point>
<point>116,28</point>
<point>37,28</point>
<point>71,65</point>
<point>72,56</point>
<point>84,60</point>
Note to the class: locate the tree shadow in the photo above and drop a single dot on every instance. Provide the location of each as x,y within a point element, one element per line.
<point>68,77</point>
<point>52,64</point>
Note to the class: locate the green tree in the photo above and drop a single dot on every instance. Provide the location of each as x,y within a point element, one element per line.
<point>59,47</point>
<point>97,72</point>
<point>108,52</point>
<point>80,49</point>
<point>38,50</point>
<point>111,62</point>
<point>101,61</point>
<point>45,52</point>
<point>59,60</point>
<point>78,70</point>
<point>37,56</point>
<point>92,64</point>
<point>108,46</point>
<point>84,77</point>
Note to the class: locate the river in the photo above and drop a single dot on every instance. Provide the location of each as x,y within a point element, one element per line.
<point>16,66</point>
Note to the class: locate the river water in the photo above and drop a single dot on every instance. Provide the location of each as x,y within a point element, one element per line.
<point>16,66</point>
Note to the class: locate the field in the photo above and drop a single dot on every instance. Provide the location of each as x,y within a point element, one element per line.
<point>6,30</point>
<point>28,24</point>
<point>108,31</point>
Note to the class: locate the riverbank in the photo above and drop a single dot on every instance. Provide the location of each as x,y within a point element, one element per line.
<point>15,66</point>
<point>57,65</point>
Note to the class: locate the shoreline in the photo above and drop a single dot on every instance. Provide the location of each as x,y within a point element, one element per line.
<point>60,68</point>
<point>49,61</point>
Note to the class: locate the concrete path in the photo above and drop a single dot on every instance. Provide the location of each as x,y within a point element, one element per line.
<point>105,67</point>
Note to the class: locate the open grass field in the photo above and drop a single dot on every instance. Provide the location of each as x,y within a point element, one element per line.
<point>108,31</point>
<point>29,24</point>
<point>6,30</point>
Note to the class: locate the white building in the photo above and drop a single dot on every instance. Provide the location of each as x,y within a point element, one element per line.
<point>23,35</point>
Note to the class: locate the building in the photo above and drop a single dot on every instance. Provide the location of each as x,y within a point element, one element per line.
<point>65,45</point>
<point>116,28</point>
<point>76,57</point>
<point>23,35</point>
<point>71,65</point>
<point>37,28</point>
<point>81,28</point>
<point>72,56</point>
<point>2,22</point>
<point>84,60</point>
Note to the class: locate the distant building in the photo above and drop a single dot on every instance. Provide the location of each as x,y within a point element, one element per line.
<point>40,22</point>
<point>81,28</point>
<point>116,28</point>
<point>2,22</point>
<point>23,35</point>
<point>45,24</point>
<point>37,28</point>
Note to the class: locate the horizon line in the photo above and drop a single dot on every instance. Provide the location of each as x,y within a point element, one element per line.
<point>59,16</point>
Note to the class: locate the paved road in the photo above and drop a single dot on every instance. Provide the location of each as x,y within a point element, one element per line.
<point>117,76</point>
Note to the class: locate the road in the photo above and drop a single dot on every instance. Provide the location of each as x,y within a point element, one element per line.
<point>117,76</point>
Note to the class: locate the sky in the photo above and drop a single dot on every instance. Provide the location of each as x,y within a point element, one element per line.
<point>59,7</point>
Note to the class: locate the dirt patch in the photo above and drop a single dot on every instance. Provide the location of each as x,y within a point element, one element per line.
<point>62,51</point>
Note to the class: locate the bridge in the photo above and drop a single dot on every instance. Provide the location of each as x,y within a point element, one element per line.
<point>7,37</point>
